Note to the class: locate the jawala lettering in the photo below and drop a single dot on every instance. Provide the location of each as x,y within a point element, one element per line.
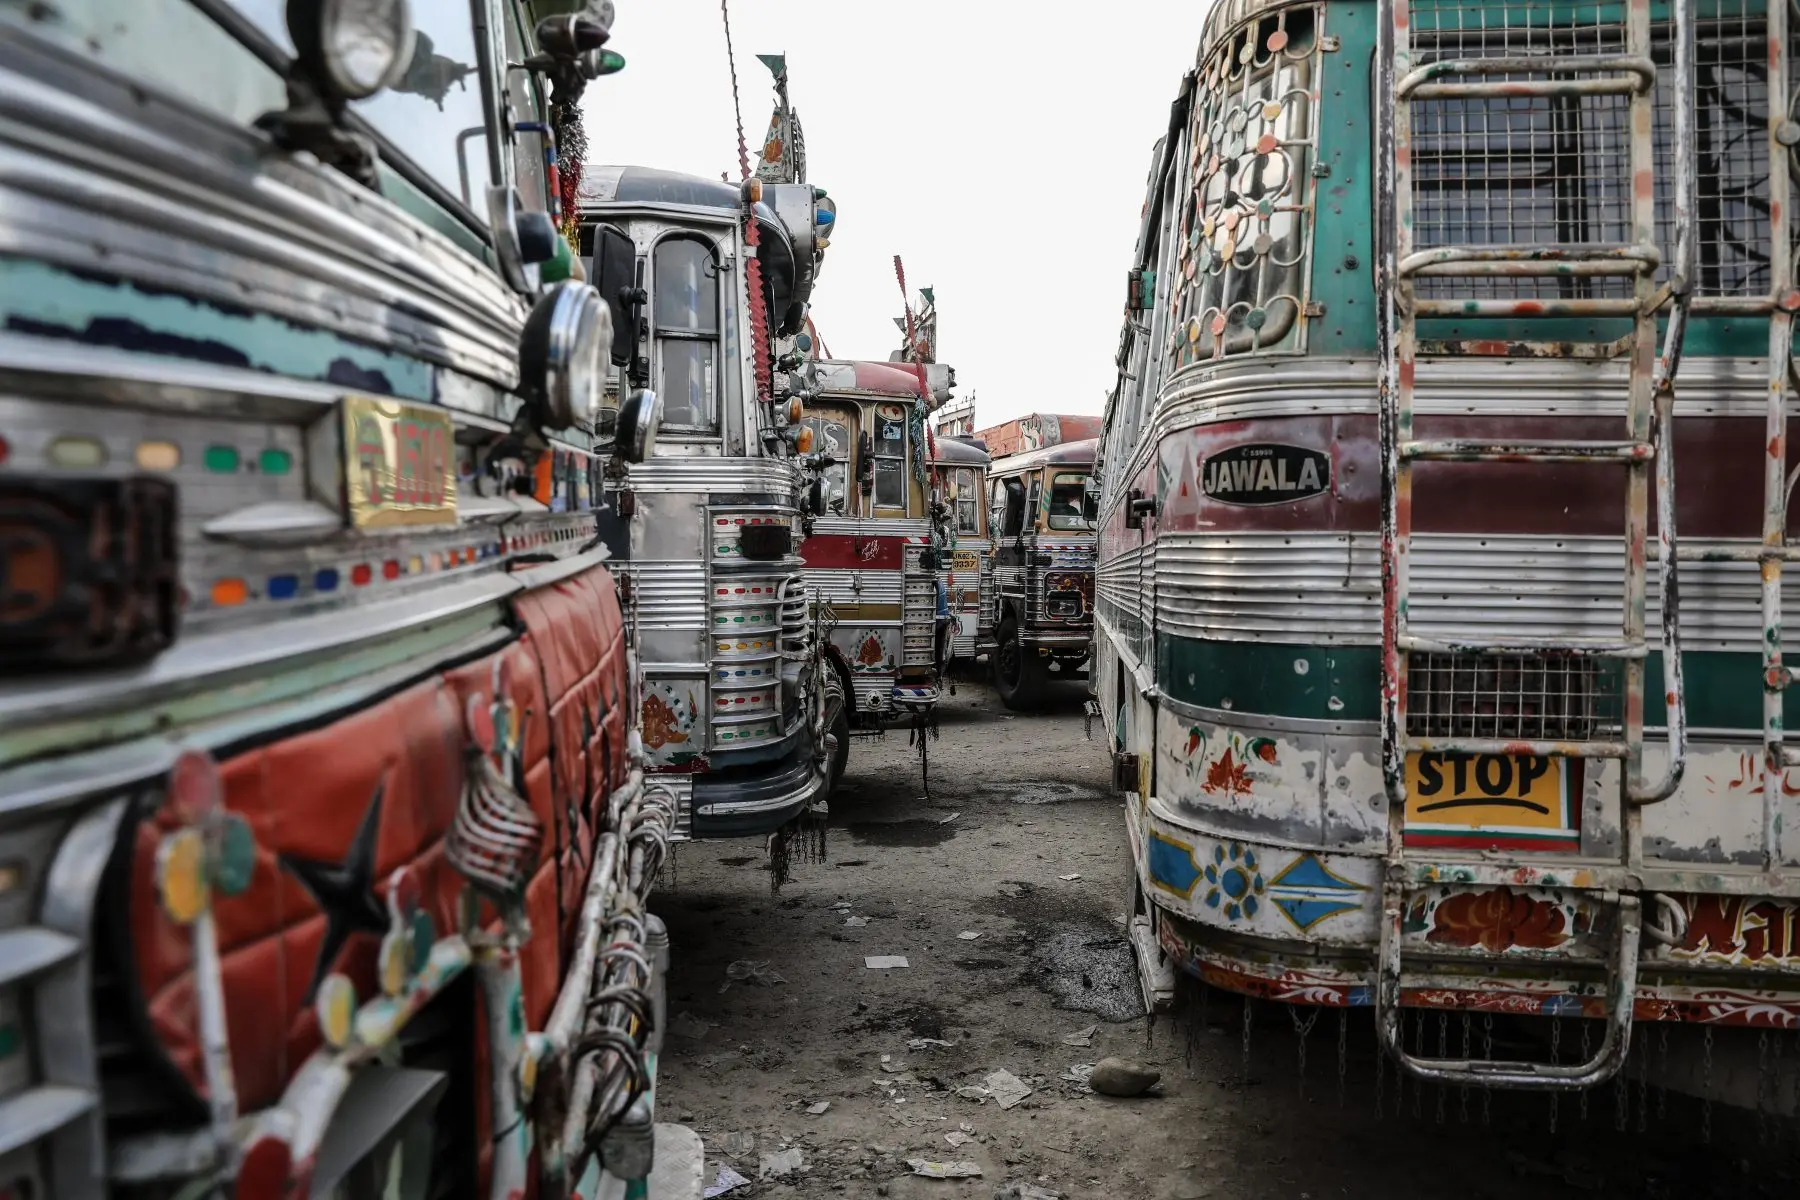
<point>1265,473</point>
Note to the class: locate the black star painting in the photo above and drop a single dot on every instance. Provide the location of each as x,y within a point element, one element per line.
<point>344,891</point>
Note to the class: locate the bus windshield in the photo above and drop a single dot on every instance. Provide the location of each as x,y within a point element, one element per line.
<point>1068,502</point>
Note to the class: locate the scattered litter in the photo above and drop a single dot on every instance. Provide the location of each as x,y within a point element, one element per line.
<point>1007,1089</point>
<point>967,935</point>
<point>745,970</point>
<point>957,1138</point>
<point>944,1170</point>
<point>1025,1191</point>
<point>1078,1075</point>
<point>740,1145</point>
<point>781,1164</point>
<point>856,922</point>
<point>819,1109</point>
<point>1081,1037</point>
<point>727,1180</point>
<point>1123,1077</point>
<point>887,1064</point>
<point>1071,877</point>
<point>950,818</point>
<point>882,962</point>
<point>978,1095</point>
<point>924,1043</point>
<point>843,905</point>
<point>687,1025</point>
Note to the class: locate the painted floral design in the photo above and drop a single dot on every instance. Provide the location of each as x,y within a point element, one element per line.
<point>870,654</point>
<point>1231,773</point>
<point>1498,920</point>
<point>661,725</point>
<point>1234,880</point>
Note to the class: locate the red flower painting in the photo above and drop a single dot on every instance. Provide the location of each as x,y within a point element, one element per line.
<point>1498,920</point>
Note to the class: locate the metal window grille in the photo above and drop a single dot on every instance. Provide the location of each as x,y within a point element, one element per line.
<point>1555,171</point>
<point>1518,697</point>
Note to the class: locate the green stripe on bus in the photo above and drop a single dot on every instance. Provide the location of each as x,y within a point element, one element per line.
<point>1343,683</point>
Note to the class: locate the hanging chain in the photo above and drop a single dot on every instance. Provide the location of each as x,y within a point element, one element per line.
<point>1622,1092</point>
<point>1555,1059</point>
<point>1662,1071</point>
<point>1764,1088</point>
<point>753,279</point>
<point>1643,1085</point>
<point>1443,1052</point>
<point>1380,1076</point>
<point>1302,1027</point>
<point>1706,1087</point>
<point>1462,1093</point>
<point>1418,1052</point>
<point>1487,1052</point>
<point>1343,1051</point>
<point>1586,1033</point>
<point>1249,1017</point>
<point>736,107</point>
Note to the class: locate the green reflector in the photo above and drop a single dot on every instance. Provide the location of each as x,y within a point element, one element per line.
<point>221,458</point>
<point>611,62</point>
<point>275,461</point>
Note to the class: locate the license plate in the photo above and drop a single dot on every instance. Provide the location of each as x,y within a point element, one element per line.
<point>1481,801</point>
<point>399,464</point>
<point>965,560</point>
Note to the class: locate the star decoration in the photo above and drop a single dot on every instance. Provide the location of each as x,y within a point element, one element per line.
<point>344,891</point>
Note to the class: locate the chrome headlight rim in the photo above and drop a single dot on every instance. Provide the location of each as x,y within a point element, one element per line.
<point>560,371</point>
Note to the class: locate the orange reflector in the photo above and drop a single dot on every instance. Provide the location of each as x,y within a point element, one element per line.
<point>157,456</point>
<point>227,592</point>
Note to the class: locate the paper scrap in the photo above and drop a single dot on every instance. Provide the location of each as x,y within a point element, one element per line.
<point>957,1138</point>
<point>1008,1089</point>
<point>781,1164</point>
<point>727,1180</point>
<point>950,818</point>
<point>1069,878</point>
<point>882,962</point>
<point>1081,1037</point>
<point>967,935</point>
<point>746,970</point>
<point>924,1043</point>
<point>856,922</point>
<point>944,1170</point>
<point>978,1095</point>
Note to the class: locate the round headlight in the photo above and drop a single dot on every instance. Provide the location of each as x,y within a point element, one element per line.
<point>635,434</point>
<point>560,367</point>
<point>358,46</point>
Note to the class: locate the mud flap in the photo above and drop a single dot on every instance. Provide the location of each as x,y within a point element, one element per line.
<point>1156,974</point>
<point>382,1125</point>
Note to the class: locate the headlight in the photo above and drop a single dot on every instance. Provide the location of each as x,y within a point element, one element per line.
<point>1062,581</point>
<point>560,369</point>
<point>354,47</point>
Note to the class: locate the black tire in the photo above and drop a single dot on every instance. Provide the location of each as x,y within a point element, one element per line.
<point>1018,673</point>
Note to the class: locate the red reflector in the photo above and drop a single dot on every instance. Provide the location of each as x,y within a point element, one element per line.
<point>361,574</point>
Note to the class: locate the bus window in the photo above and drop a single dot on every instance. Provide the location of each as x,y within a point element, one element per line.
<point>831,435</point>
<point>967,501</point>
<point>1068,502</point>
<point>686,305</point>
<point>890,456</point>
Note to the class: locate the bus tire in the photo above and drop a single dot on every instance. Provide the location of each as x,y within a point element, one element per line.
<point>1018,674</point>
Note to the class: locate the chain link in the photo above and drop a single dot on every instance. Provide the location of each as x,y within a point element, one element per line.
<point>1249,1018</point>
<point>1343,1055</point>
<point>1418,1052</point>
<point>1487,1052</point>
<point>1706,1087</point>
<point>1302,1027</point>
<point>1764,1087</point>
<point>1662,1074</point>
<point>1462,1093</point>
<point>1643,1088</point>
<point>1381,1058</point>
<point>1555,1058</point>
<point>1586,1056</point>
<point>1443,1052</point>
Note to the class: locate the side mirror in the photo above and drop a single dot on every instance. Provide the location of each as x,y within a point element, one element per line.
<point>634,437</point>
<point>815,498</point>
<point>615,278</point>
<point>865,467</point>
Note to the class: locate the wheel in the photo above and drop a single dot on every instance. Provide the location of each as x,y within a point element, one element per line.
<point>1018,675</point>
<point>837,725</point>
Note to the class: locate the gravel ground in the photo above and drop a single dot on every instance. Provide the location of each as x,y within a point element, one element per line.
<point>900,1056</point>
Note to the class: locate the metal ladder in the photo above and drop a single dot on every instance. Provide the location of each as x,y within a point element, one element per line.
<point>1646,446</point>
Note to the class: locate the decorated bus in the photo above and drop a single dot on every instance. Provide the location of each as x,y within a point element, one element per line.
<point>880,540</point>
<point>709,283</point>
<point>966,568</point>
<point>1041,509</point>
<point>324,831</point>
<point>1411,712</point>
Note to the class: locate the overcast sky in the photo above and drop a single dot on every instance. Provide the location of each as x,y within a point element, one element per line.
<point>999,147</point>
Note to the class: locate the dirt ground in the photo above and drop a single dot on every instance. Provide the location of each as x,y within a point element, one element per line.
<point>1019,804</point>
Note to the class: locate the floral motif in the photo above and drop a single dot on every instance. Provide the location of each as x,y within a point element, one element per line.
<point>1499,920</point>
<point>1232,772</point>
<point>1234,880</point>
<point>870,654</point>
<point>661,725</point>
<point>1227,775</point>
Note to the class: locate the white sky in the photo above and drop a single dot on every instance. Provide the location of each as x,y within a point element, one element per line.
<point>1001,147</point>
